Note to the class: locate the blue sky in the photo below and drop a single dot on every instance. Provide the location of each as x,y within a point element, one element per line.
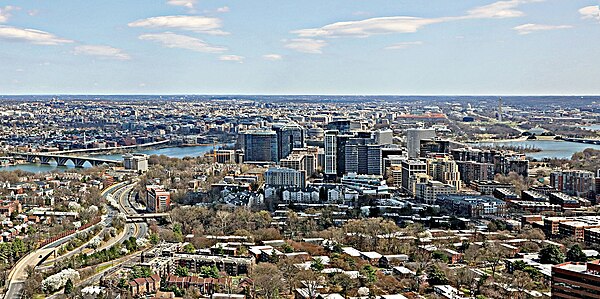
<point>300,47</point>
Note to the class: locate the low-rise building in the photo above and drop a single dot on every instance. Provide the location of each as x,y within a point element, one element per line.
<point>576,280</point>
<point>473,206</point>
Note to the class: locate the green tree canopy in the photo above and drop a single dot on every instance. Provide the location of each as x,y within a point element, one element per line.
<point>575,254</point>
<point>551,254</point>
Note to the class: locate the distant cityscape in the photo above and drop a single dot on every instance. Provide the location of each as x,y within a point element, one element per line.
<point>300,197</point>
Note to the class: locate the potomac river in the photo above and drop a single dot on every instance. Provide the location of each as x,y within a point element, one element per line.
<point>173,152</point>
<point>549,148</point>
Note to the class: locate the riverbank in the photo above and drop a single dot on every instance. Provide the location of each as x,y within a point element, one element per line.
<point>167,150</point>
<point>549,148</point>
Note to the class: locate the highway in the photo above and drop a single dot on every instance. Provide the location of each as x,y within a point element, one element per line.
<point>122,193</point>
<point>18,275</point>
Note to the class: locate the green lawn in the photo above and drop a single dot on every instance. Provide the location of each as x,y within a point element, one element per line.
<point>103,267</point>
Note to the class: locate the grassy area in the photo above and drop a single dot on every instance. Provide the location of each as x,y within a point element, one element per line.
<point>103,267</point>
<point>39,296</point>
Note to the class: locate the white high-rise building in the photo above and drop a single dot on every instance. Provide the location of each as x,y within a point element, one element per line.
<point>331,152</point>
<point>413,140</point>
<point>285,177</point>
<point>137,162</point>
<point>384,136</point>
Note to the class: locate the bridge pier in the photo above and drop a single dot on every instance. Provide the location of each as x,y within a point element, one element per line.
<point>62,161</point>
<point>45,160</point>
<point>30,158</point>
<point>79,162</point>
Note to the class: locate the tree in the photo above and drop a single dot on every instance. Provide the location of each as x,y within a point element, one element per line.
<point>551,254</point>
<point>69,287</point>
<point>182,271</point>
<point>317,265</point>
<point>369,273</point>
<point>530,247</point>
<point>268,280</point>
<point>439,255</point>
<point>435,276</point>
<point>520,281</point>
<point>189,248</point>
<point>154,239</point>
<point>209,271</point>
<point>465,277</point>
<point>575,254</point>
<point>310,280</point>
<point>344,282</point>
<point>493,254</point>
<point>532,234</point>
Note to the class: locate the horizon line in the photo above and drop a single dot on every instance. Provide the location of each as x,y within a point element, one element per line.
<point>300,94</point>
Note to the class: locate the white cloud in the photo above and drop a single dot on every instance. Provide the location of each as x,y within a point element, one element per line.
<point>409,24</point>
<point>272,57</point>
<point>102,51</point>
<point>590,12</point>
<point>403,45</point>
<point>306,45</point>
<point>5,12</point>
<point>368,27</point>
<point>235,58</point>
<point>33,36</point>
<point>172,40</point>
<point>530,28</point>
<point>223,9</point>
<point>185,3</point>
<point>208,25</point>
<point>499,10</point>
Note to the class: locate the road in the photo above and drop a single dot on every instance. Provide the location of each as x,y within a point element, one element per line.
<point>122,192</point>
<point>18,275</point>
<point>122,195</point>
<point>107,223</point>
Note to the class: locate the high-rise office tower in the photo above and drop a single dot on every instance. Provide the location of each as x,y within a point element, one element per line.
<point>289,137</point>
<point>413,140</point>
<point>331,152</point>
<point>260,146</point>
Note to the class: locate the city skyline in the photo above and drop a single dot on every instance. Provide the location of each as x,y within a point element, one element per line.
<point>514,47</point>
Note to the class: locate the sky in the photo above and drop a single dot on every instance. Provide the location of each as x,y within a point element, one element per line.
<point>350,47</point>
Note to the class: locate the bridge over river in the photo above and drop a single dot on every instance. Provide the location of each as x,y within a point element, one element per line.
<point>61,160</point>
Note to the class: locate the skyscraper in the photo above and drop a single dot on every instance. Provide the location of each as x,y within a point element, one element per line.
<point>331,152</point>
<point>260,146</point>
<point>289,137</point>
<point>413,140</point>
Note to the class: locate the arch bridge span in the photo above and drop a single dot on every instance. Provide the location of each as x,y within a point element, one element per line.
<point>61,160</point>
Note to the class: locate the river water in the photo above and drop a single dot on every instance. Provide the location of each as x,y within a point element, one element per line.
<point>173,152</point>
<point>549,148</point>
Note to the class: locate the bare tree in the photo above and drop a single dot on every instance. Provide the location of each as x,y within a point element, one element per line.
<point>268,280</point>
